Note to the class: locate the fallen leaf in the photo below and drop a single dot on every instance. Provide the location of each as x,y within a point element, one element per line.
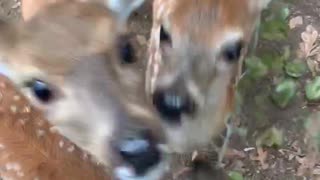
<point>233,175</point>
<point>296,69</point>
<point>309,37</point>
<point>256,68</point>
<point>307,163</point>
<point>296,21</point>
<point>312,126</point>
<point>234,154</point>
<point>261,157</point>
<point>313,66</point>
<point>313,89</point>
<point>316,171</point>
<point>181,172</point>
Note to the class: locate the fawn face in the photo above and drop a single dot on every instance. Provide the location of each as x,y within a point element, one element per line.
<point>70,60</point>
<point>195,51</point>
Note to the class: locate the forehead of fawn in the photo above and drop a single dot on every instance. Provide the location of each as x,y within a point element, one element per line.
<point>194,58</point>
<point>71,59</point>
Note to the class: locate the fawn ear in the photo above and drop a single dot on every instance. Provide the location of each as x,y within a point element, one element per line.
<point>259,4</point>
<point>123,8</point>
<point>29,8</point>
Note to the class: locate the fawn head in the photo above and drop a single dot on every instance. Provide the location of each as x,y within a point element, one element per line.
<point>194,58</point>
<point>71,60</point>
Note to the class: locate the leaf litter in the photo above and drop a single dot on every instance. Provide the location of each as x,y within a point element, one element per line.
<point>310,49</point>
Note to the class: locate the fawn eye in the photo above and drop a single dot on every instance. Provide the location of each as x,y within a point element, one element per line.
<point>164,35</point>
<point>232,52</point>
<point>41,90</point>
<point>126,50</point>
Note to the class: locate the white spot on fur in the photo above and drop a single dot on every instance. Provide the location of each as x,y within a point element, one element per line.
<point>54,130</point>
<point>40,123</point>
<point>2,147</point>
<point>13,166</point>
<point>22,121</point>
<point>40,133</point>
<point>3,177</point>
<point>3,85</point>
<point>61,144</point>
<point>20,174</point>
<point>13,109</point>
<point>85,156</point>
<point>70,149</point>
<point>16,98</point>
<point>26,109</point>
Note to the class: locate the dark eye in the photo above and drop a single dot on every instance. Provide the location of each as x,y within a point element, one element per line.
<point>232,52</point>
<point>41,90</point>
<point>125,50</point>
<point>164,35</point>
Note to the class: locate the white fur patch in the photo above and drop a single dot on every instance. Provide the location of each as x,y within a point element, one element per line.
<point>259,4</point>
<point>126,173</point>
<point>5,70</point>
<point>229,37</point>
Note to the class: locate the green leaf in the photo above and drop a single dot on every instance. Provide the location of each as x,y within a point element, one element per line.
<point>284,93</point>
<point>233,175</point>
<point>285,13</point>
<point>296,69</point>
<point>275,26</point>
<point>313,89</point>
<point>256,69</point>
<point>272,137</point>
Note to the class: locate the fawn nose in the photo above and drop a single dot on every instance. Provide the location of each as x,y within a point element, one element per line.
<point>141,153</point>
<point>173,104</point>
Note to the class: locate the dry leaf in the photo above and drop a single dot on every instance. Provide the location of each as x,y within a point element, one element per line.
<point>234,154</point>
<point>309,37</point>
<point>313,66</point>
<point>307,164</point>
<point>261,157</point>
<point>316,171</point>
<point>296,21</point>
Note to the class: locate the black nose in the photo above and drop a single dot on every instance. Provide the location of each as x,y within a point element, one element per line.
<point>172,105</point>
<point>141,153</point>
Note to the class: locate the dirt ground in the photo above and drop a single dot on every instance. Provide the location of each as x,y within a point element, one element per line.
<point>282,163</point>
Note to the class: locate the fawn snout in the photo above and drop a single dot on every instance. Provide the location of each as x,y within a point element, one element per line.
<point>173,102</point>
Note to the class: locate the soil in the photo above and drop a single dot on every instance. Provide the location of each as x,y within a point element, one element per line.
<point>283,162</point>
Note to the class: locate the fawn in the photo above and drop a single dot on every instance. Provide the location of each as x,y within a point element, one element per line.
<point>70,59</point>
<point>195,53</point>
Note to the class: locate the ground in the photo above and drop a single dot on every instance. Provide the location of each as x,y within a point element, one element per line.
<point>257,113</point>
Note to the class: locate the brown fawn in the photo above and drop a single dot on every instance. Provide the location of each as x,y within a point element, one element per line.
<point>195,53</point>
<point>29,150</point>
<point>71,60</point>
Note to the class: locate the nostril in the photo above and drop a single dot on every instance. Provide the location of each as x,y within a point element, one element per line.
<point>141,154</point>
<point>171,105</point>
